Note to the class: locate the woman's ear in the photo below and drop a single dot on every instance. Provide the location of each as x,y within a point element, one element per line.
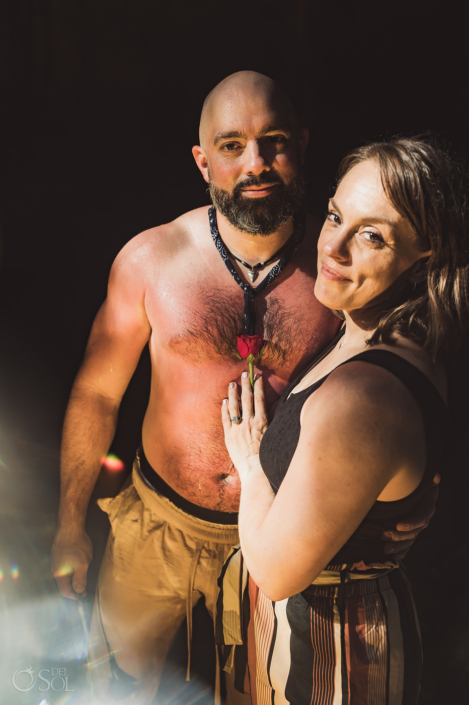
<point>418,271</point>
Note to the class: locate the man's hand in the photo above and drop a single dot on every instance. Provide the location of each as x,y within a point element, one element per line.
<point>71,555</point>
<point>405,533</point>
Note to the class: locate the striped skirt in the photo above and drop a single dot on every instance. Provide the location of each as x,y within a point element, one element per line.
<point>351,638</point>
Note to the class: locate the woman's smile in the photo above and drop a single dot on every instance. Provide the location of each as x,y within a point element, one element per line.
<point>331,273</point>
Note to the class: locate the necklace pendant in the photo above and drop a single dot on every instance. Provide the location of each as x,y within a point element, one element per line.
<point>252,274</point>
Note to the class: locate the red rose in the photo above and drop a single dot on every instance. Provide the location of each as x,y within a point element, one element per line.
<point>249,345</point>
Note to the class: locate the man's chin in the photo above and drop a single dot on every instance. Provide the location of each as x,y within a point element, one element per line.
<point>257,204</point>
<point>258,215</point>
<point>257,226</point>
<point>257,219</point>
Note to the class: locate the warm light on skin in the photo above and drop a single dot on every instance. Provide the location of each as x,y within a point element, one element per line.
<point>63,570</point>
<point>365,245</point>
<point>112,462</point>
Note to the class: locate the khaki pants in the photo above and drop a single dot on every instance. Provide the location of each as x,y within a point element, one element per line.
<point>158,562</point>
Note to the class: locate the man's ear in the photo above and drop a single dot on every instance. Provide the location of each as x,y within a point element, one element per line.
<point>201,161</point>
<point>303,139</point>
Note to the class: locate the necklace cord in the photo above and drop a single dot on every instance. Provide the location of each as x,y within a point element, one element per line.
<point>289,249</point>
<point>259,265</point>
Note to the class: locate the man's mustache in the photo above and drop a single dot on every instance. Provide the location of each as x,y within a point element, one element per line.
<point>256,181</point>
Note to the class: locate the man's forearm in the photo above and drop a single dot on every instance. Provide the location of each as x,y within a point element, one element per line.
<point>90,425</point>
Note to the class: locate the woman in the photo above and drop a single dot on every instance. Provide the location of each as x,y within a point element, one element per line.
<point>353,443</point>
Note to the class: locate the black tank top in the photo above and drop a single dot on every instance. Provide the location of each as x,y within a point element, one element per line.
<point>281,439</point>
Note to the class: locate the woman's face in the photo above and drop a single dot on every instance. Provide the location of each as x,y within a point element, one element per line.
<point>365,246</point>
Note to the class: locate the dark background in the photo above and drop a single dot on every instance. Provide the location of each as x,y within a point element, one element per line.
<point>100,108</point>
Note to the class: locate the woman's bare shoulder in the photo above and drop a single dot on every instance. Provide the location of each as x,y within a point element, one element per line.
<point>360,395</point>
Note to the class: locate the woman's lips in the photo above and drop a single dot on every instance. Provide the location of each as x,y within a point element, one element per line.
<point>332,274</point>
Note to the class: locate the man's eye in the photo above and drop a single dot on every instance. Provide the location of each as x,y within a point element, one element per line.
<point>230,146</point>
<point>277,139</point>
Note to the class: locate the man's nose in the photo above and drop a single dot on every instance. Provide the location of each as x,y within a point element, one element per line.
<point>255,161</point>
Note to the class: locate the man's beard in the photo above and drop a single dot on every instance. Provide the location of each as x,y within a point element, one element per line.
<point>263,215</point>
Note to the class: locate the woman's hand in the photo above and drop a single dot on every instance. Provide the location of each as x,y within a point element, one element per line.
<point>243,438</point>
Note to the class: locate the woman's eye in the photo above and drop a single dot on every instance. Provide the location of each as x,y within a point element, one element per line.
<point>374,238</point>
<point>333,217</point>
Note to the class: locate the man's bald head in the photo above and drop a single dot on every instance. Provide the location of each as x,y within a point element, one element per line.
<point>242,89</point>
<point>251,153</point>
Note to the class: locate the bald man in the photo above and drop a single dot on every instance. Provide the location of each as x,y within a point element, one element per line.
<point>247,266</point>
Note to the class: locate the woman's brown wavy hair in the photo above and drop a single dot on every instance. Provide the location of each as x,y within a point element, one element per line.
<point>428,187</point>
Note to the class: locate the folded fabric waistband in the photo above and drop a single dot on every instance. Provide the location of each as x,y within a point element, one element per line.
<point>167,510</point>
<point>343,574</point>
<point>162,487</point>
<point>234,596</point>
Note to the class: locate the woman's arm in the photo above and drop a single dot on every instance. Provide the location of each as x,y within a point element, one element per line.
<point>357,434</point>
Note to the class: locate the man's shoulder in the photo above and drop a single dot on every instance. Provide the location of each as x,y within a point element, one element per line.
<point>165,241</point>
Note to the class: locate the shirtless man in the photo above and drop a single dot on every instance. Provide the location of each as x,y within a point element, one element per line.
<point>171,289</point>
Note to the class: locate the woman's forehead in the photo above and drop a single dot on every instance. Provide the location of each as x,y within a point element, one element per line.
<point>361,191</point>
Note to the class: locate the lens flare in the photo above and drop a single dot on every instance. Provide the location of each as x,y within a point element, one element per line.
<point>14,571</point>
<point>112,462</point>
<point>1,575</point>
<point>63,570</point>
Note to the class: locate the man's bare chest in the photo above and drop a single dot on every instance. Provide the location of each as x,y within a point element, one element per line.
<point>199,320</point>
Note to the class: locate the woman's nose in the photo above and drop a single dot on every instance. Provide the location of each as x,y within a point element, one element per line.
<point>336,246</point>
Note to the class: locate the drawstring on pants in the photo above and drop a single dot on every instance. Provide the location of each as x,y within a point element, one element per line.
<point>192,572</point>
<point>342,613</point>
<point>217,698</point>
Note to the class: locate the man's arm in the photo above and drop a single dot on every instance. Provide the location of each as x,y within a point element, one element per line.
<point>118,336</point>
<point>399,540</point>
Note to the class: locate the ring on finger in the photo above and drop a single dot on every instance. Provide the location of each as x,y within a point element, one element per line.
<point>236,419</point>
